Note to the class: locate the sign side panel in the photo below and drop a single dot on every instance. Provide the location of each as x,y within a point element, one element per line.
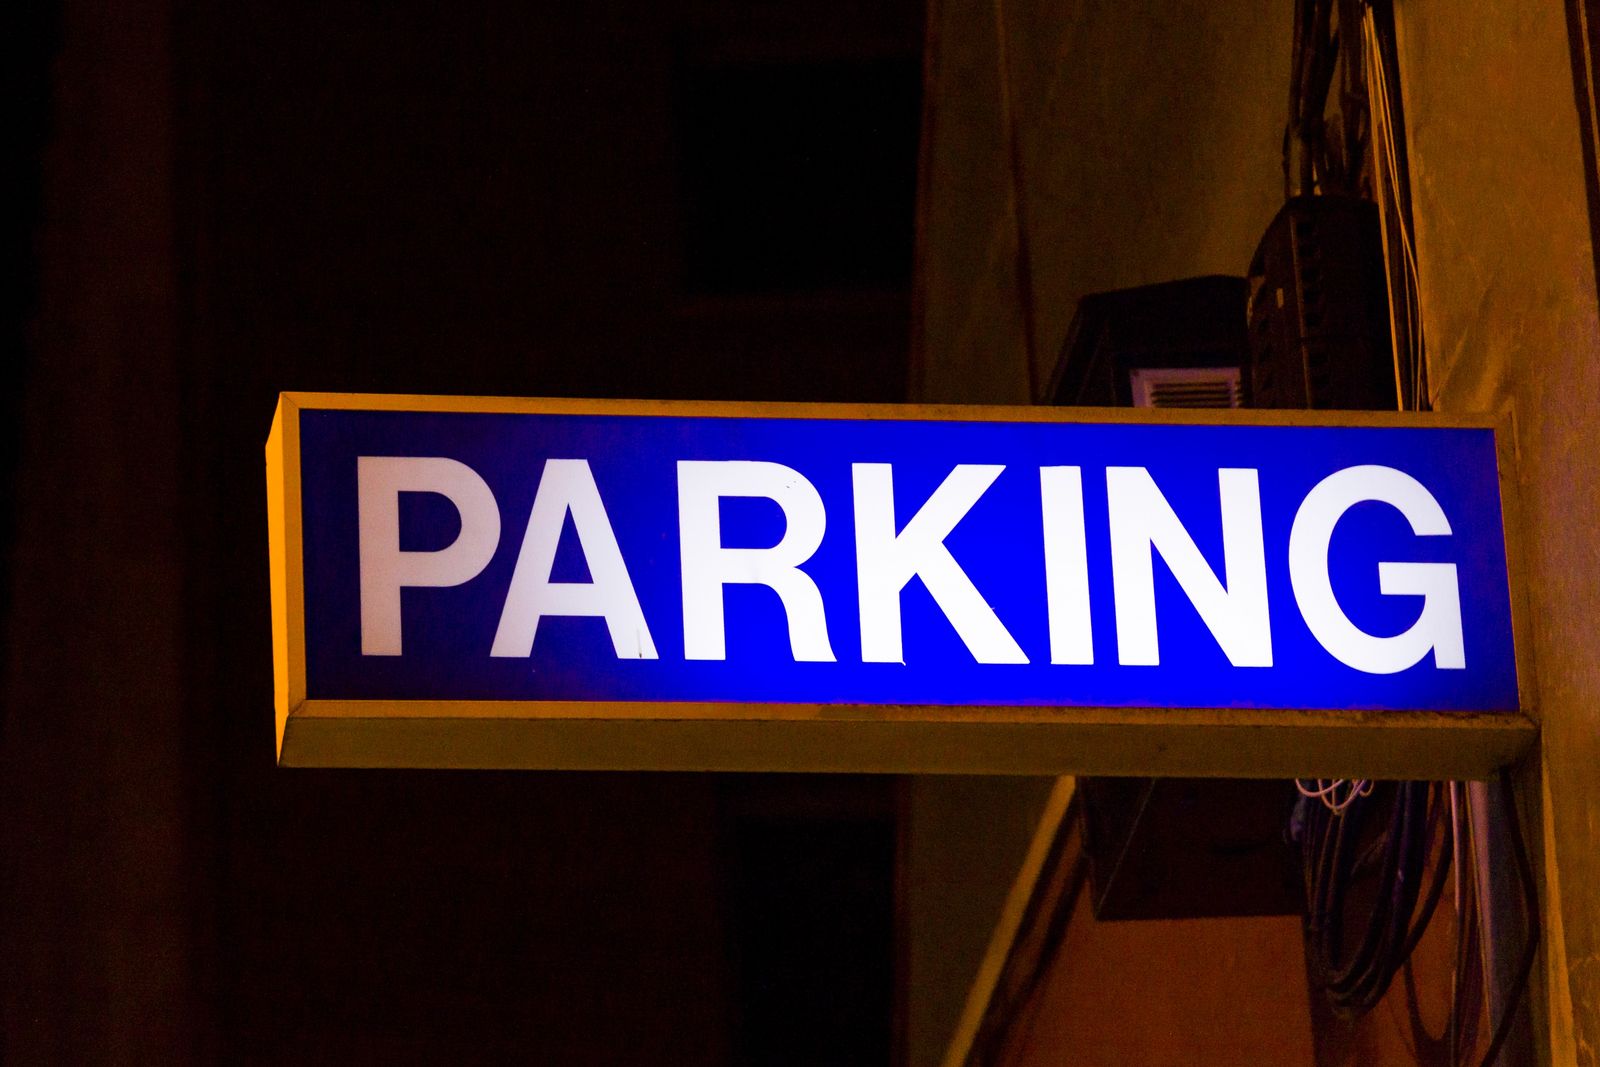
<point>284,551</point>
<point>1506,457</point>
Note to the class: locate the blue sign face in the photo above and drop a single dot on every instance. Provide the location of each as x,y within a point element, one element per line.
<point>553,557</point>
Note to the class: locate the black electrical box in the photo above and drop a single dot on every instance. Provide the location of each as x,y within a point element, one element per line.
<point>1189,848</point>
<point>1319,309</point>
<point>1193,323</point>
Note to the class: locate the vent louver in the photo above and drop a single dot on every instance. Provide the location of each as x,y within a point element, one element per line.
<point>1186,387</point>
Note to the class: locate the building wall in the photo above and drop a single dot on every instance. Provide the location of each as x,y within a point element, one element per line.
<point>1148,136</point>
<point>1148,149</point>
<point>1509,308</point>
<point>964,840</point>
<point>1181,993</point>
<point>96,866</point>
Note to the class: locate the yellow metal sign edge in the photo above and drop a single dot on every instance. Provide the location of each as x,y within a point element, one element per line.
<point>741,409</point>
<point>1224,742</point>
<point>286,566</point>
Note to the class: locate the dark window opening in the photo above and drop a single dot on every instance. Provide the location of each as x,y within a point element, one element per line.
<point>798,176</point>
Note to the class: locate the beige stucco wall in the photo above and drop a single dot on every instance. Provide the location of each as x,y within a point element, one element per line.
<point>1149,134</point>
<point>968,836</point>
<point>1509,307</point>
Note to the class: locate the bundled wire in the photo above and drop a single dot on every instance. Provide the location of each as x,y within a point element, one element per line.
<point>1363,883</point>
<point>1329,791</point>
<point>1531,932</point>
<point>1323,153</point>
<point>1388,187</point>
<point>1365,861</point>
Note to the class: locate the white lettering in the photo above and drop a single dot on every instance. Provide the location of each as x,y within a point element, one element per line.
<point>1142,523</point>
<point>1066,565</point>
<point>568,487</point>
<point>886,561</point>
<point>385,568</point>
<point>1438,627</point>
<point>708,566</point>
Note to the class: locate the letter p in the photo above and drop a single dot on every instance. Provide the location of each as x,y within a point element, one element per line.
<point>385,567</point>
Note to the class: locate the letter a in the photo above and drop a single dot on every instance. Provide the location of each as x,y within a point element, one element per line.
<point>567,486</point>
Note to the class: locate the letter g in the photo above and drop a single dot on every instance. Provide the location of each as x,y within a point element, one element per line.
<point>1438,627</point>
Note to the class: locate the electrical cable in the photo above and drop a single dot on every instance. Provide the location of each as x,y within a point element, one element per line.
<point>1461,1030</point>
<point>1328,793</point>
<point>1410,378</point>
<point>1336,859</point>
<point>1471,960</point>
<point>1343,849</point>
<point>1328,42</point>
<point>1530,901</point>
<point>1362,981</point>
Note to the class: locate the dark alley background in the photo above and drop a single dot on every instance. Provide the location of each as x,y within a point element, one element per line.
<point>219,202</point>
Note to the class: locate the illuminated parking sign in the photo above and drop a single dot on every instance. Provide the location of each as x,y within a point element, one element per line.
<point>506,563</point>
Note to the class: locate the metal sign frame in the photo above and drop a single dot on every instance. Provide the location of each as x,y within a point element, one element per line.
<point>616,735</point>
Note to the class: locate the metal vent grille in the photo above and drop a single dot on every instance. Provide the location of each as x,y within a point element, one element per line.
<point>1186,387</point>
